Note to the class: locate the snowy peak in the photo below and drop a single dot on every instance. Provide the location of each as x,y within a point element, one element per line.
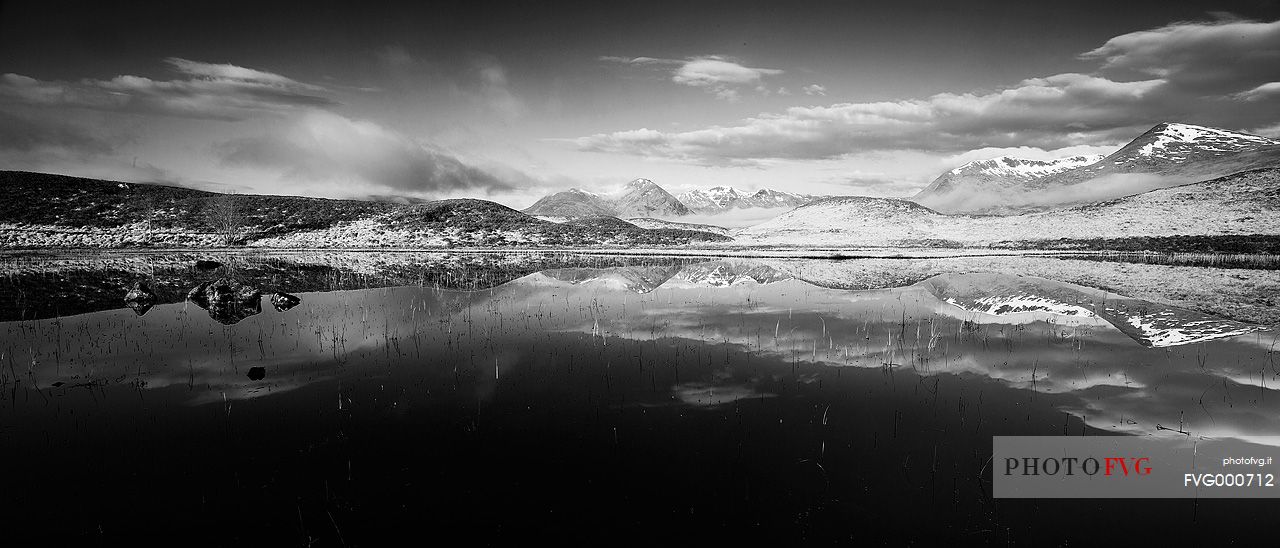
<point>1008,166</point>
<point>719,199</point>
<point>1174,141</point>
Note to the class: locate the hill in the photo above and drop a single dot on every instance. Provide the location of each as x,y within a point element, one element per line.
<point>1246,203</point>
<point>56,211</point>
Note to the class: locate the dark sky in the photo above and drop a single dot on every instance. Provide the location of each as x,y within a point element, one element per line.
<point>511,99</point>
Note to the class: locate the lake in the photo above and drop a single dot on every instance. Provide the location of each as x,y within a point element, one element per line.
<point>602,398</point>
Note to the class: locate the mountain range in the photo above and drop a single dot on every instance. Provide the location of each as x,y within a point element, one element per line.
<point>1175,180</point>
<point>642,198</point>
<point>1241,204</point>
<point>1167,155</point>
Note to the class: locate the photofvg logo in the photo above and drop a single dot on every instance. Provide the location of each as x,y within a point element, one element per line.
<point>1070,466</point>
<point>1132,467</point>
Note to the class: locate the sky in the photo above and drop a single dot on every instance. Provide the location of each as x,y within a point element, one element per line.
<point>509,101</point>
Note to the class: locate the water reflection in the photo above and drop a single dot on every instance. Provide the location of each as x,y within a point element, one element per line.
<point>1119,364</point>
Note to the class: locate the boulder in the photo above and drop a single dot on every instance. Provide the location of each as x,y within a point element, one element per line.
<point>228,301</point>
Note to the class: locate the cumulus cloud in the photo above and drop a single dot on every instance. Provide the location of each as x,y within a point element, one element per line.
<point>814,89</point>
<point>204,90</point>
<point>366,158</point>
<point>721,76</point>
<point>1173,67</point>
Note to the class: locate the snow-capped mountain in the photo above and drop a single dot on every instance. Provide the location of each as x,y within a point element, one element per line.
<point>1239,204</point>
<point>1167,155</point>
<point>639,198</point>
<point>993,176</point>
<point>719,199</point>
<point>1180,153</point>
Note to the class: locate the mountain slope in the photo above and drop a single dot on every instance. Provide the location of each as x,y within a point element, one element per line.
<point>649,222</point>
<point>644,198</point>
<point>1165,156</point>
<point>1240,204</point>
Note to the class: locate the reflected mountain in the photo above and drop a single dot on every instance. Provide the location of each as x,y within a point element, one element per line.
<point>1013,297</point>
<point>645,279</point>
<point>725,273</point>
<point>636,279</point>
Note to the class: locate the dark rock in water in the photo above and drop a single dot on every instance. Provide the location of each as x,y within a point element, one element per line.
<point>257,373</point>
<point>225,290</point>
<point>207,265</point>
<point>228,301</point>
<point>139,308</point>
<point>284,301</point>
<point>140,298</point>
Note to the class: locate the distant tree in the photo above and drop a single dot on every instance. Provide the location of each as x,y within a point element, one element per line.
<point>225,218</point>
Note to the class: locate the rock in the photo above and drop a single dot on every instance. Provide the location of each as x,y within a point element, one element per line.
<point>207,265</point>
<point>226,291</point>
<point>196,295</point>
<point>140,298</point>
<point>228,301</point>
<point>257,373</point>
<point>284,301</point>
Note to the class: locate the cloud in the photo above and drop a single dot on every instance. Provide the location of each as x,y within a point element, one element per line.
<point>365,158</point>
<point>718,75</point>
<point>814,89</point>
<point>1264,92</point>
<point>715,71</point>
<point>1215,57</point>
<point>206,90</point>
<point>24,135</point>
<point>1174,65</point>
<point>493,88</point>
<point>1053,112</point>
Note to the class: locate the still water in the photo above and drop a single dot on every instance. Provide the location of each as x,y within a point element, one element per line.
<point>679,401</point>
